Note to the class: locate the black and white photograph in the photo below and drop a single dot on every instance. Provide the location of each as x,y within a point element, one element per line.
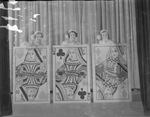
<point>75,58</point>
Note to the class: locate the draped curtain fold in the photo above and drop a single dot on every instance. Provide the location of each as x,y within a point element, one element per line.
<point>5,94</point>
<point>143,43</point>
<point>86,17</point>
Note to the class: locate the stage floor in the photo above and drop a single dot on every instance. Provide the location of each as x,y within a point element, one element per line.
<point>119,109</point>
<point>116,109</point>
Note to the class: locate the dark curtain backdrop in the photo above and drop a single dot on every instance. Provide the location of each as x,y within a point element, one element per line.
<point>5,96</point>
<point>143,43</point>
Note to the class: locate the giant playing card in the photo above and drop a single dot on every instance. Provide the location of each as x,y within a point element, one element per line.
<point>71,74</point>
<point>111,80</point>
<point>31,75</point>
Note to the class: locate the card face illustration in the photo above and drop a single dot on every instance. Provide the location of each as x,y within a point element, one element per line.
<point>111,80</point>
<point>31,75</point>
<point>71,74</point>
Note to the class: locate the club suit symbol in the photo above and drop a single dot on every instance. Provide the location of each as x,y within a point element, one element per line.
<point>82,93</point>
<point>60,53</point>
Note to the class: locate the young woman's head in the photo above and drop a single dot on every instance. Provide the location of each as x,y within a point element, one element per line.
<point>104,34</point>
<point>72,35</point>
<point>38,37</point>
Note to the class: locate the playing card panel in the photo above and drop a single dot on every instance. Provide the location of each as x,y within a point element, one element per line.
<point>30,75</point>
<point>71,74</point>
<point>111,73</point>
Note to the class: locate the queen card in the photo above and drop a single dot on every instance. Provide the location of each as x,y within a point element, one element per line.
<point>71,74</point>
<point>111,80</point>
<point>31,75</point>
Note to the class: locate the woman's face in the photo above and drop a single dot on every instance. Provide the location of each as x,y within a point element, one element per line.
<point>72,54</point>
<point>31,94</point>
<point>38,39</point>
<point>72,36</point>
<point>69,92</point>
<point>108,93</point>
<point>104,36</point>
<point>31,55</point>
<point>114,52</point>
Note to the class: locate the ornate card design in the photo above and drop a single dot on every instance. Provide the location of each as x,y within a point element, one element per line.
<point>31,75</point>
<point>110,73</point>
<point>71,74</point>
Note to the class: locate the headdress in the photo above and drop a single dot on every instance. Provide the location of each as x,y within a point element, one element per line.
<point>38,32</point>
<point>70,31</point>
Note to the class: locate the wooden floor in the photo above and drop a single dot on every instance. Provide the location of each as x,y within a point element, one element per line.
<point>117,109</point>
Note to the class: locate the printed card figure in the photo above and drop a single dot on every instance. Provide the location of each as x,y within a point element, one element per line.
<point>71,74</point>
<point>31,82</point>
<point>110,73</point>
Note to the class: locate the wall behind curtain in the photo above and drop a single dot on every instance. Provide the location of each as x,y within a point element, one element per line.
<point>86,17</point>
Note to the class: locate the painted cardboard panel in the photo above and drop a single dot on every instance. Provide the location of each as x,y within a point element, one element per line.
<point>111,80</point>
<point>31,75</point>
<point>71,81</point>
